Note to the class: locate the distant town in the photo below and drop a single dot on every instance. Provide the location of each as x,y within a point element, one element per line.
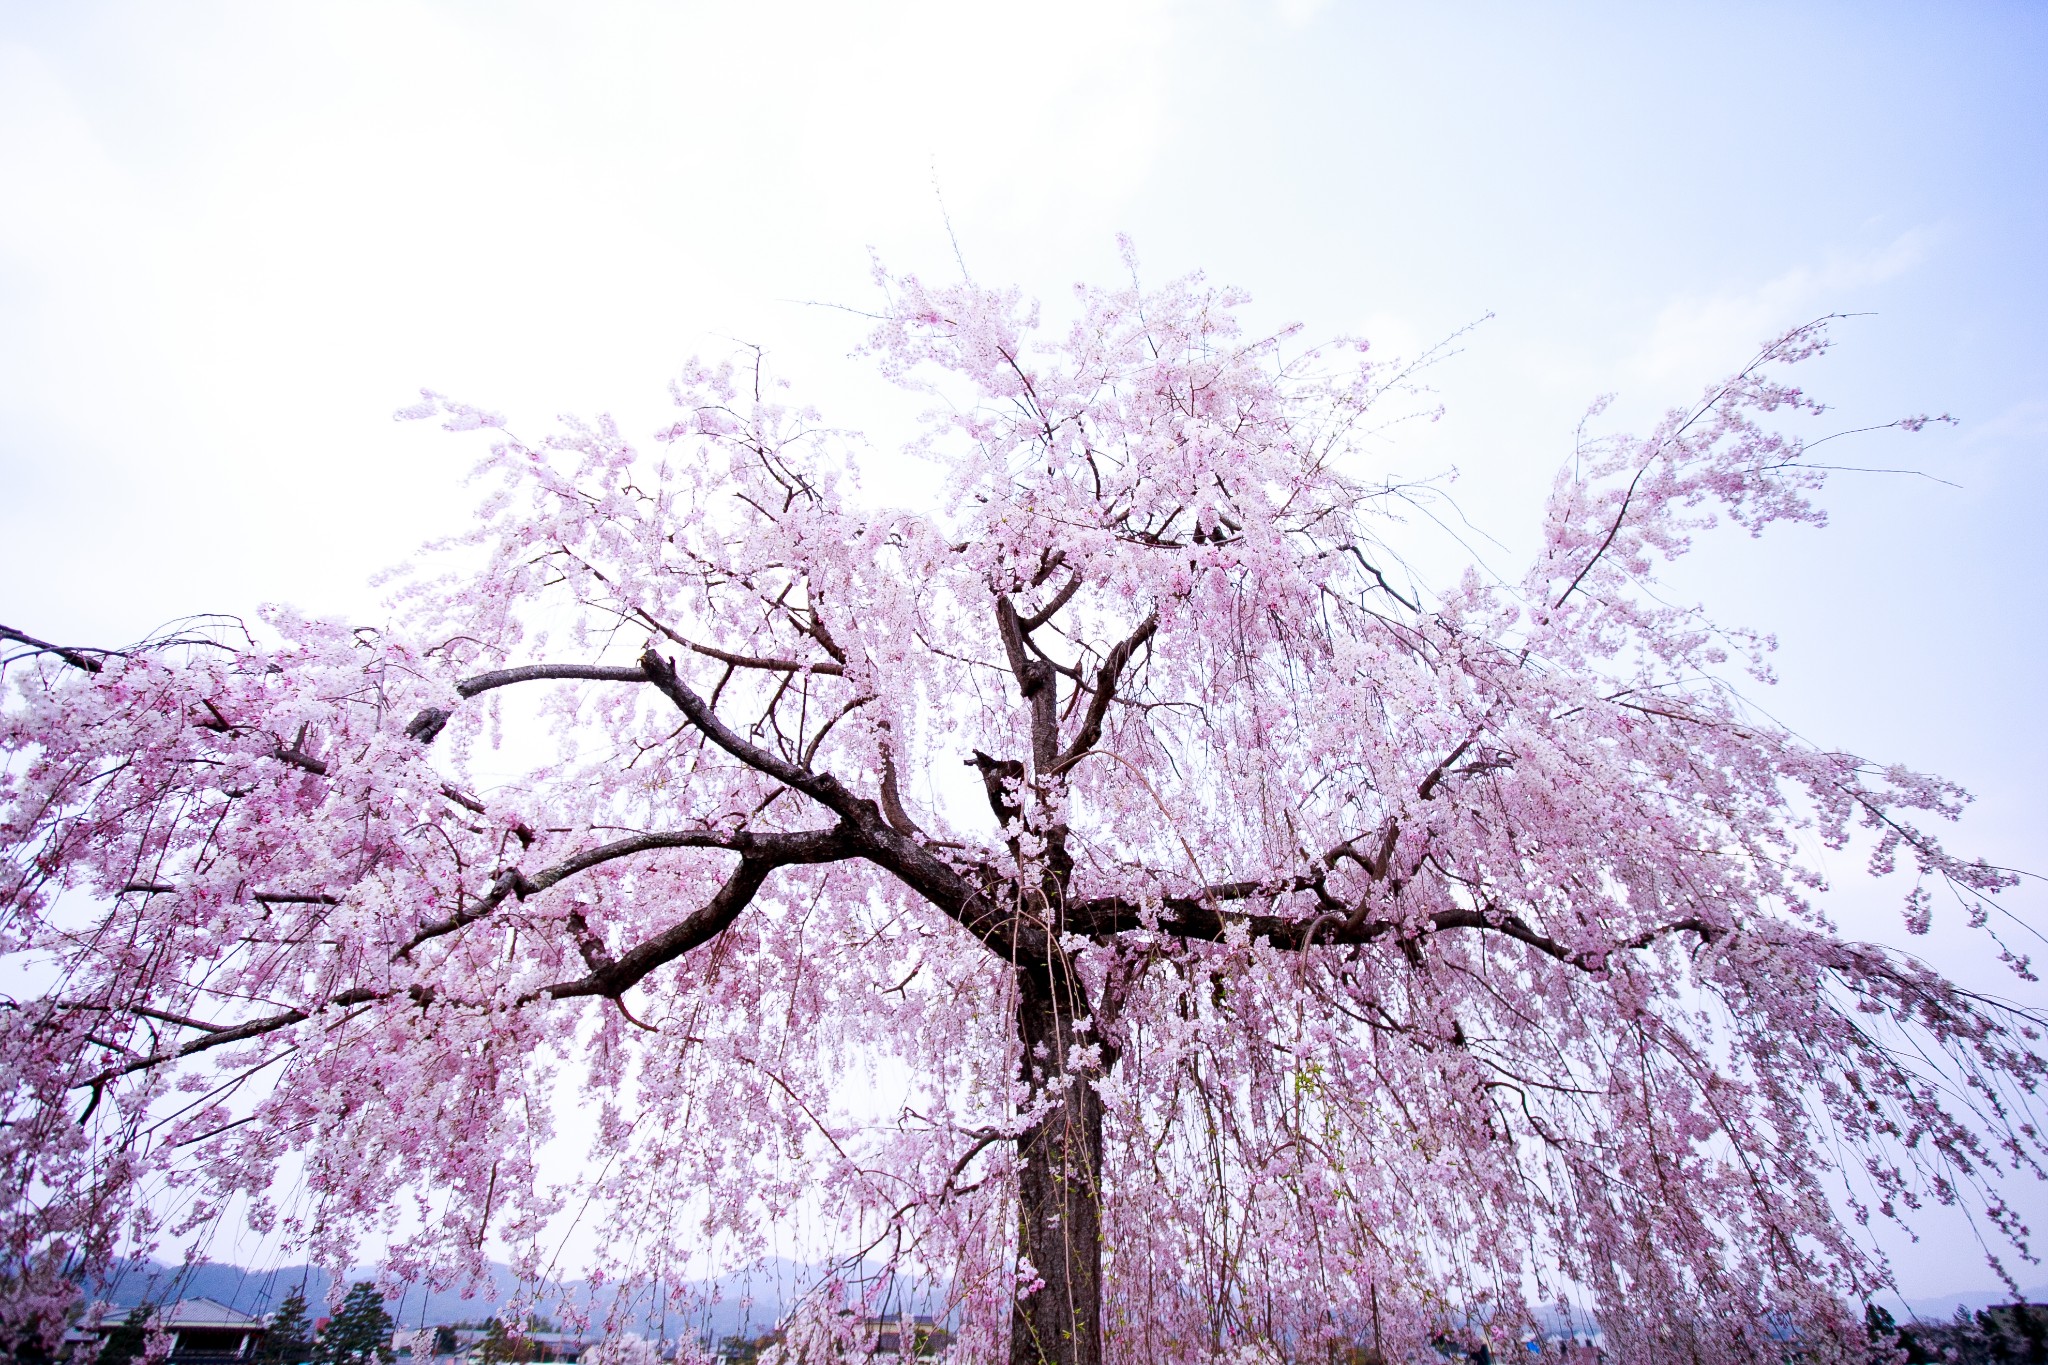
<point>202,1331</point>
<point>206,1314</point>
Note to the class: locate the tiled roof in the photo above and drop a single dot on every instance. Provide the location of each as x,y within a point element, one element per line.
<point>206,1313</point>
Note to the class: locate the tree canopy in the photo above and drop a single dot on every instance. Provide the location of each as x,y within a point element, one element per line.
<point>288,1339</point>
<point>359,1333</point>
<point>1248,942</point>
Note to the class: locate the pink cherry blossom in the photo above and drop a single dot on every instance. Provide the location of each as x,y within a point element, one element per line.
<point>1280,954</point>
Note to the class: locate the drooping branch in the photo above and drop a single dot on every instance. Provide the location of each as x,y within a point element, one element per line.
<point>760,854</point>
<point>224,1034</point>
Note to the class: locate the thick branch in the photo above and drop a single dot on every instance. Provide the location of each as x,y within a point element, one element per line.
<point>831,670</point>
<point>293,754</point>
<point>820,787</point>
<point>1106,679</point>
<point>870,834</point>
<point>620,975</point>
<point>260,897</point>
<point>221,1036</point>
<point>863,831</point>
<point>997,777</point>
<point>772,848</point>
<point>760,854</point>
<point>1034,684</point>
<point>1201,919</point>
<point>892,789</point>
<point>505,677</point>
<point>77,658</point>
<point>431,720</point>
<point>1052,608</point>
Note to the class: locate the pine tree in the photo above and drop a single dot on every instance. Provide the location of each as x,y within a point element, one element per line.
<point>360,1331</point>
<point>500,1346</point>
<point>290,1338</point>
<point>125,1343</point>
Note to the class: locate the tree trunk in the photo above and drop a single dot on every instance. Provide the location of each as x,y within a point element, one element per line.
<point>1059,1208</point>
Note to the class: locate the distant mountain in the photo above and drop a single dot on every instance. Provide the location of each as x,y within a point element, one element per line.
<point>749,1301</point>
<point>1942,1307</point>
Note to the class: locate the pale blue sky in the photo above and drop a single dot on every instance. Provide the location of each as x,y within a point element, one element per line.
<point>234,237</point>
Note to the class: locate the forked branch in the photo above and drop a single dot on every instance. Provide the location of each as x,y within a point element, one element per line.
<point>1106,679</point>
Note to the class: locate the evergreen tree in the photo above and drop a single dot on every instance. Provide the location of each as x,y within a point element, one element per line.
<point>290,1338</point>
<point>22,1337</point>
<point>24,1345</point>
<point>125,1343</point>
<point>500,1346</point>
<point>1961,1340</point>
<point>2030,1325</point>
<point>1885,1333</point>
<point>360,1331</point>
<point>2017,1333</point>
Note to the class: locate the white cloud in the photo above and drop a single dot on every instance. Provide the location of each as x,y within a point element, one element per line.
<point>1697,337</point>
<point>239,236</point>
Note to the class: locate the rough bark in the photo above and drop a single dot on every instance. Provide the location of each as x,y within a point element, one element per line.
<point>1059,1193</point>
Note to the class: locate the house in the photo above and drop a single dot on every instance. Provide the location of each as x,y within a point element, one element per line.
<point>202,1331</point>
<point>884,1336</point>
<point>880,1338</point>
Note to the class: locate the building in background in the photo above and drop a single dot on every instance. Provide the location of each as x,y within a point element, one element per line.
<point>202,1332</point>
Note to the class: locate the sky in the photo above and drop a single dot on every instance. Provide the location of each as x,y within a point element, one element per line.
<point>235,237</point>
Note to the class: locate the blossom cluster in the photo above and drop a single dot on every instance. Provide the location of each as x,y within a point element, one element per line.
<point>1415,954</point>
